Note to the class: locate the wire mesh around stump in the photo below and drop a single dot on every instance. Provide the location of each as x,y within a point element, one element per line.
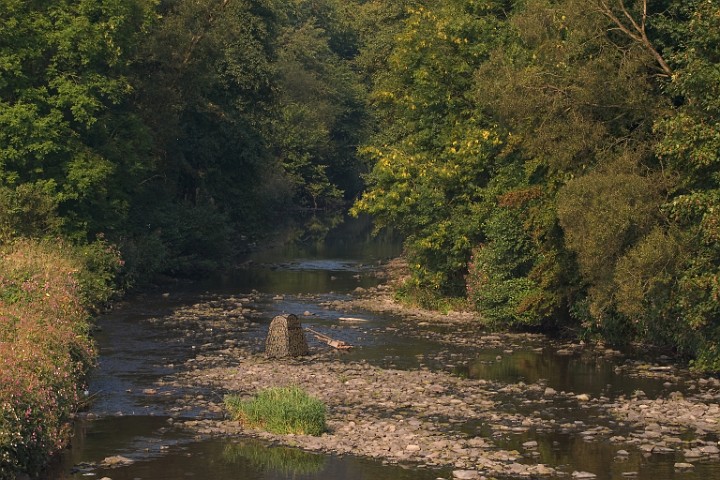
<point>285,338</point>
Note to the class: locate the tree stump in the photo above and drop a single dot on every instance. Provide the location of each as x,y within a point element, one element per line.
<point>285,338</point>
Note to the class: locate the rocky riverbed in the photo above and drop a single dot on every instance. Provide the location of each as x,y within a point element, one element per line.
<point>428,417</point>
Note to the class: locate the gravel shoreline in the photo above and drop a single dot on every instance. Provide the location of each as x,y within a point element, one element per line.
<point>418,417</point>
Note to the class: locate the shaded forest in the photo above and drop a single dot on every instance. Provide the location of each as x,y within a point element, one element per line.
<point>554,164</point>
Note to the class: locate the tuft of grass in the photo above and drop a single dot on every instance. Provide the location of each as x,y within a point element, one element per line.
<point>280,410</point>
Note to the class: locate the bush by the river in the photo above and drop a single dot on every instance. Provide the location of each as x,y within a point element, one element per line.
<point>46,290</point>
<point>280,410</point>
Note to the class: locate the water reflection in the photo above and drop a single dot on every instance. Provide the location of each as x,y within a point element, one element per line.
<point>160,452</point>
<point>346,259</point>
<point>285,461</point>
<point>571,373</point>
<point>570,452</point>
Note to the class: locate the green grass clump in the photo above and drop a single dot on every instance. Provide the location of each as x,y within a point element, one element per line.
<point>280,410</point>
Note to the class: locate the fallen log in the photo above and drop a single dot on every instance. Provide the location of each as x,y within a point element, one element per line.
<point>339,344</point>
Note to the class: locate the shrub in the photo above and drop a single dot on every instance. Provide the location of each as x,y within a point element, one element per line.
<point>194,239</point>
<point>603,214</point>
<point>497,281</point>
<point>280,410</point>
<point>100,266</point>
<point>29,210</point>
<point>44,352</point>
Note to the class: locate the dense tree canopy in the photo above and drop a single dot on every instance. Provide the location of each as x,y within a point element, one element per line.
<point>555,163</point>
<point>68,142</point>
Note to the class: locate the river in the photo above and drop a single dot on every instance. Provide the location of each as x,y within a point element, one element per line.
<point>135,411</point>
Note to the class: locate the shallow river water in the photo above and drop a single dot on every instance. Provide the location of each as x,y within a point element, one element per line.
<point>304,278</point>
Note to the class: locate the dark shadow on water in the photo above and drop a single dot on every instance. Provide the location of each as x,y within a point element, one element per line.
<point>576,373</point>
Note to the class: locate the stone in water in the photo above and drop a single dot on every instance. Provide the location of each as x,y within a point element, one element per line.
<point>285,338</point>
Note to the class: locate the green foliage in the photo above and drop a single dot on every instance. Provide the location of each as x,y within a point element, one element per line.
<point>319,107</point>
<point>204,84</point>
<point>179,239</point>
<point>29,210</point>
<point>603,214</point>
<point>573,152</point>
<point>196,118</point>
<point>62,90</point>
<point>689,146</point>
<point>433,152</point>
<point>645,278</point>
<point>100,265</point>
<point>497,282</point>
<point>280,410</point>
<point>196,238</point>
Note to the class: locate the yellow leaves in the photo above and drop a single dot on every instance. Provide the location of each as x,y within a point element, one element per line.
<point>371,151</point>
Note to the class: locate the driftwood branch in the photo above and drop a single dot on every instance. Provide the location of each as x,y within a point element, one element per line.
<point>339,344</point>
<point>635,30</point>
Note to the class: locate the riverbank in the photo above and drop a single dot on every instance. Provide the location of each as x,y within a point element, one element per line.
<point>426,417</point>
<point>45,348</point>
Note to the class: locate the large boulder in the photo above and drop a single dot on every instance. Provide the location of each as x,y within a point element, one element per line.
<point>285,338</point>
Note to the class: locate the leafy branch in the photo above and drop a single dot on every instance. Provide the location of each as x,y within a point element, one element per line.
<point>636,31</point>
<point>198,37</point>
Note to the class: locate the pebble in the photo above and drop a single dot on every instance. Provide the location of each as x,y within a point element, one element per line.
<point>710,450</point>
<point>399,416</point>
<point>466,474</point>
<point>116,461</point>
<point>549,392</point>
<point>583,475</point>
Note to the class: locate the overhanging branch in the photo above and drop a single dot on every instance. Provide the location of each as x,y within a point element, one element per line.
<point>634,29</point>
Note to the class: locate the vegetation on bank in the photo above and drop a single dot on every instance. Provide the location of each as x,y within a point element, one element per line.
<point>47,290</point>
<point>557,163</point>
<point>280,410</point>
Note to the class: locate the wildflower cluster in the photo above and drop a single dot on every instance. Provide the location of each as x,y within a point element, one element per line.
<point>44,352</point>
